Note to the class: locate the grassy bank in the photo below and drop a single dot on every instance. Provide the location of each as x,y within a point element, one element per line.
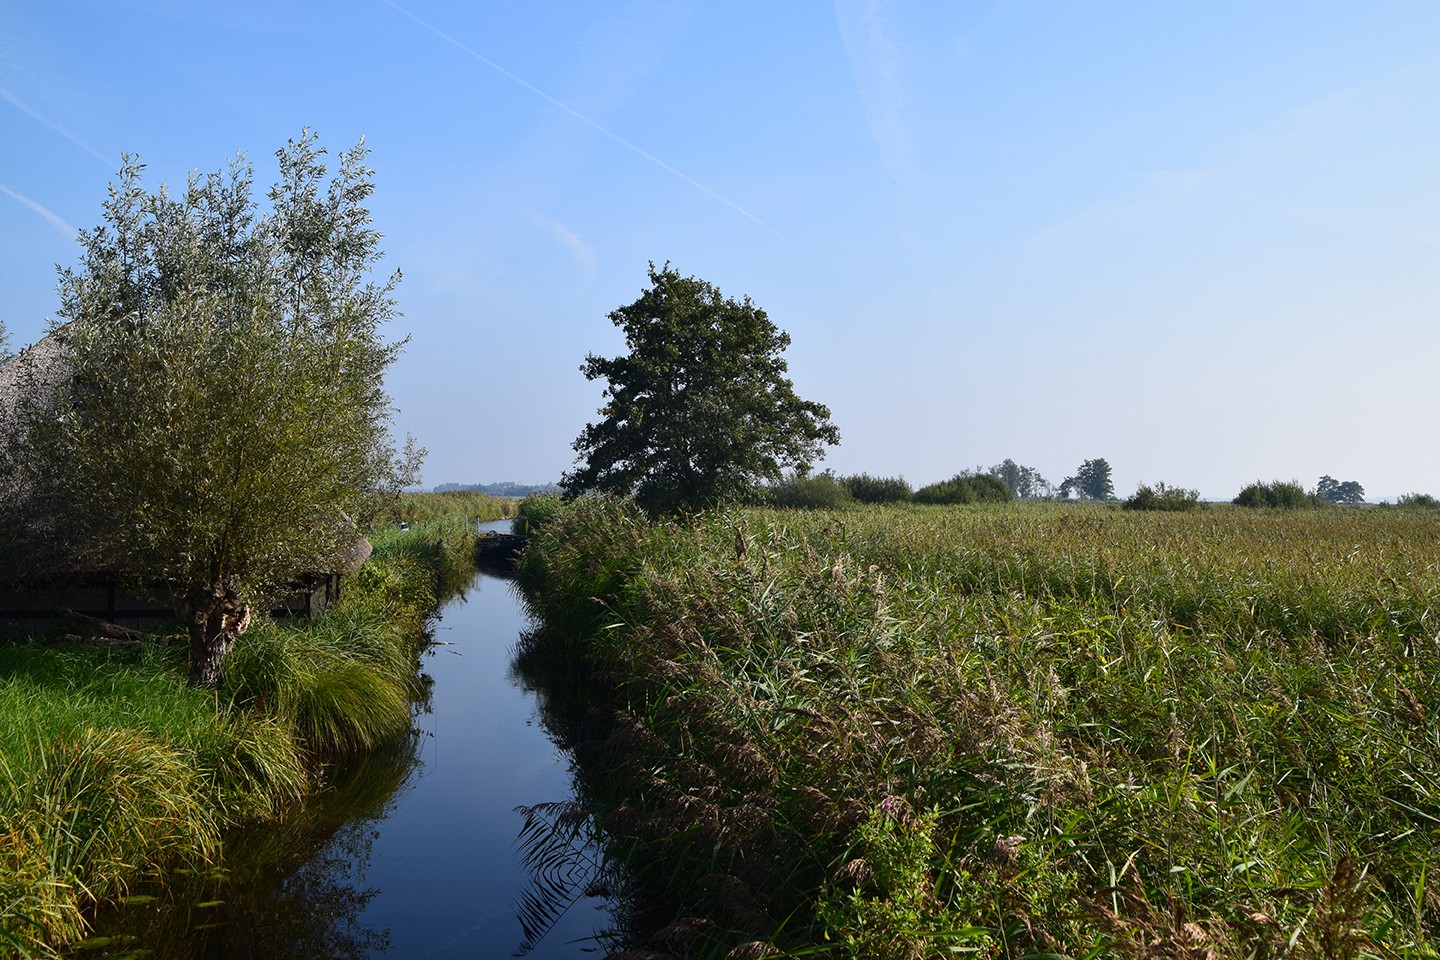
<point>1015,730</point>
<point>113,772</point>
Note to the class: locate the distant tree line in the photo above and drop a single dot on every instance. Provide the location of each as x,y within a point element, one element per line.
<point>506,488</point>
<point>1291,495</point>
<point>827,491</point>
<point>1008,480</point>
<point>1002,483</point>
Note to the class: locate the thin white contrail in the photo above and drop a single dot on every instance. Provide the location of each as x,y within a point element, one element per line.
<point>63,228</point>
<point>579,116</point>
<point>25,108</point>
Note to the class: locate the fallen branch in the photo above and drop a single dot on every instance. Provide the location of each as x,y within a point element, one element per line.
<point>99,630</point>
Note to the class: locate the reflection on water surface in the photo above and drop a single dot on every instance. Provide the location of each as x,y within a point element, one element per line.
<point>419,851</point>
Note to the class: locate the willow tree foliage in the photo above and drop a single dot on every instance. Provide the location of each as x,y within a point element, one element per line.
<point>222,425</point>
<point>700,410</point>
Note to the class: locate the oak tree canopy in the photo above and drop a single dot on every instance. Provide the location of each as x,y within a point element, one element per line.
<point>700,410</point>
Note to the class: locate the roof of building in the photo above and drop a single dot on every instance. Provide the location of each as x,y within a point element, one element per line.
<point>33,370</point>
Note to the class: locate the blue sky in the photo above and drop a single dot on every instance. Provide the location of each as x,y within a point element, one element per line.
<point>1200,240</point>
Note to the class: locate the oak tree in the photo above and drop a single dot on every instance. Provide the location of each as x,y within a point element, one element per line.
<point>700,410</point>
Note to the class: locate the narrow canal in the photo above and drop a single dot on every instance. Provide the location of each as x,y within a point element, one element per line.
<point>446,860</point>
<point>417,852</point>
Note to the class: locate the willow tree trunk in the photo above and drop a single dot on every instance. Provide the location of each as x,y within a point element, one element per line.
<point>215,616</point>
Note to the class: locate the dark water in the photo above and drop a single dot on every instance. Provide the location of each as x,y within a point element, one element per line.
<point>446,860</point>
<point>418,851</point>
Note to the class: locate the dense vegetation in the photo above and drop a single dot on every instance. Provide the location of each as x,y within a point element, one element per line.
<point>113,771</point>
<point>1011,730</point>
<point>1162,497</point>
<point>965,488</point>
<point>813,492</point>
<point>867,489</point>
<point>1277,494</point>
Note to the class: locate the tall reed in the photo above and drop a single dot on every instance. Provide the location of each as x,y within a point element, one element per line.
<point>1016,730</point>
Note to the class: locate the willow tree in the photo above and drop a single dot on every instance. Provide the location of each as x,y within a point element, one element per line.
<point>700,410</point>
<point>221,425</point>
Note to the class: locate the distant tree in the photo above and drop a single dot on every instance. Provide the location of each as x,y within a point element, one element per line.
<point>867,489</point>
<point>222,425</point>
<point>1338,491</point>
<point>965,487</point>
<point>1091,481</point>
<point>699,411</point>
<point>817,491</point>
<point>1422,501</point>
<point>1024,482</point>
<point>1162,497</point>
<point>1278,494</point>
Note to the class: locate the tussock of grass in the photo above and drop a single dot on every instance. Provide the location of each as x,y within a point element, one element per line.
<point>114,770</point>
<point>89,813</point>
<point>1018,730</point>
<point>337,689</point>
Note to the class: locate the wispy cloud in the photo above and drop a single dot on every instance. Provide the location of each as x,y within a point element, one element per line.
<point>570,240</point>
<point>875,60</point>
<point>40,118</point>
<point>63,228</point>
<point>1312,166</point>
<point>470,51</point>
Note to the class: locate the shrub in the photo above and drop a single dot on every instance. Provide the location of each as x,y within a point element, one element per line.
<point>823,491</point>
<point>1161,497</point>
<point>1418,501</point>
<point>966,488</point>
<point>867,489</point>
<point>1277,494</point>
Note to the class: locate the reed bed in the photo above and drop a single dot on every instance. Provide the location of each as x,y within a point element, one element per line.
<point>1012,731</point>
<point>113,772</point>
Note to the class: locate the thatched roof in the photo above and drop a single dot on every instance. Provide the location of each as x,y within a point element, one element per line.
<point>32,373</point>
<point>35,370</point>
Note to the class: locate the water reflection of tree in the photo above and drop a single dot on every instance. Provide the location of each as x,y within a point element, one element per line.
<point>561,848</point>
<point>561,843</point>
<point>289,890</point>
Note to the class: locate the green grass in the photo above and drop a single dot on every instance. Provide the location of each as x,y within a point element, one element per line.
<point>1018,730</point>
<point>113,771</point>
